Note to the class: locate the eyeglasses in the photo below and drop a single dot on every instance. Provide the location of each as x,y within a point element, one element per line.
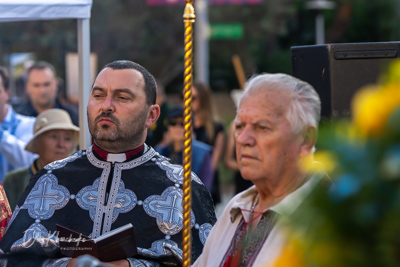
<point>175,123</point>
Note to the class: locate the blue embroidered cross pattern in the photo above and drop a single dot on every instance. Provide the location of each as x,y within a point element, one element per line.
<point>88,196</point>
<point>167,208</point>
<point>46,197</point>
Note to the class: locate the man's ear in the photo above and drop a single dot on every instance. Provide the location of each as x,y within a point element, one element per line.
<point>310,136</point>
<point>154,113</point>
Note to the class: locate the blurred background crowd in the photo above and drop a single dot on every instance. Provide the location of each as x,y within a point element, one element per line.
<point>260,33</point>
<point>234,39</point>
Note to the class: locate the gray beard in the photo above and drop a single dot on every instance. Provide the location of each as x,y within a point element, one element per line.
<point>107,135</point>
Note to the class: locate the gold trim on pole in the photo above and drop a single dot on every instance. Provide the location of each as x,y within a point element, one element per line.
<point>188,19</point>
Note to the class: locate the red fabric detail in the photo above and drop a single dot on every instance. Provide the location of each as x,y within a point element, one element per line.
<point>5,211</point>
<point>237,257</point>
<point>129,155</point>
<point>228,262</point>
<point>234,258</point>
<point>257,214</point>
<point>100,152</point>
<point>133,153</point>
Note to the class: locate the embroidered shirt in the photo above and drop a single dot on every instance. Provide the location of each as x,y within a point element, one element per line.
<point>220,238</point>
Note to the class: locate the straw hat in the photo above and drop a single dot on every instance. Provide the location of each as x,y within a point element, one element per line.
<point>52,119</point>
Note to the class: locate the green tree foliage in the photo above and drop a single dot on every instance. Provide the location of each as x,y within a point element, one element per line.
<point>153,36</point>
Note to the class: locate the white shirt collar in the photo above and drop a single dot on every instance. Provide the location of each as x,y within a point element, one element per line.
<point>292,201</point>
<point>116,157</point>
<point>286,207</point>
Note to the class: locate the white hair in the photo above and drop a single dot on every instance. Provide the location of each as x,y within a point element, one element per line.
<point>305,106</point>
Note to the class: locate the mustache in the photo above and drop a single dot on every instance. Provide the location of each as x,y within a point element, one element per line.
<point>108,116</point>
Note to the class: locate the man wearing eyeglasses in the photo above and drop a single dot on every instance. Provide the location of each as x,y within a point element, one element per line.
<point>201,152</point>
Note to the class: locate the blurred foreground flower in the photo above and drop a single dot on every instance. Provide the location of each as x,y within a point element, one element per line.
<point>357,222</point>
<point>373,105</point>
<point>292,255</point>
<point>321,160</point>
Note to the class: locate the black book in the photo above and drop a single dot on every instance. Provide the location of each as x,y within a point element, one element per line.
<point>117,244</point>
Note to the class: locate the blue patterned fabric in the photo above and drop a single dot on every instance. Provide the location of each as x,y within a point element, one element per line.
<point>73,192</point>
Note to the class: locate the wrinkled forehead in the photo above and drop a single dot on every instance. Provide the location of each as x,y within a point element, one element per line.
<point>262,106</point>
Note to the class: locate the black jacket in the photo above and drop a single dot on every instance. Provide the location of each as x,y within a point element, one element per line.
<point>27,109</point>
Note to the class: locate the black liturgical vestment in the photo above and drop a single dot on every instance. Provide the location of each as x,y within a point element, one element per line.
<point>75,192</point>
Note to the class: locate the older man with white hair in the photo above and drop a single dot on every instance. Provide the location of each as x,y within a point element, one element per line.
<point>275,127</point>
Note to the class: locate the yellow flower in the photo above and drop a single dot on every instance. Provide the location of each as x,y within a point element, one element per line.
<point>301,251</point>
<point>325,253</point>
<point>321,160</point>
<point>394,72</point>
<point>372,107</point>
<point>292,255</point>
<point>348,132</point>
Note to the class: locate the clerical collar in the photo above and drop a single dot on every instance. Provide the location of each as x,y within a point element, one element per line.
<point>121,157</point>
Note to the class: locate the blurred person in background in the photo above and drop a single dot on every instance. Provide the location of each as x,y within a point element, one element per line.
<point>42,91</point>
<point>208,129</point>
<point>55,137</point>
<point>19,83</point>
<point>201,152</point>
<point>230,160</point>
<point>15,131</point>
<point>157,132</point>
<point>276,128</point>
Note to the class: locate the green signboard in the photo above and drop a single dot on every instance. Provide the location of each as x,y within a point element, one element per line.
<point>226,31</point>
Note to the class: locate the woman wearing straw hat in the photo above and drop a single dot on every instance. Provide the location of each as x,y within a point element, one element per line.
<point>55,137</point>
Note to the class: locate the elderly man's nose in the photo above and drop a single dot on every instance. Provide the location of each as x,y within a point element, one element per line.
<point>245,136</point>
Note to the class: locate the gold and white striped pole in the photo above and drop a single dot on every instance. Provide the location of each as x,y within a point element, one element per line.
<point>188,19</point>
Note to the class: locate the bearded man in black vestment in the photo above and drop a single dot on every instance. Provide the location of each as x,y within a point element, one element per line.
<point>116,181</point>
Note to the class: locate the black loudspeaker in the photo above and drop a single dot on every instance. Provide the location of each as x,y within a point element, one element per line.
<point>337,71</point>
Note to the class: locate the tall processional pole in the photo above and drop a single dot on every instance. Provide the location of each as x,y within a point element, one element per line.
<point>188,19</point>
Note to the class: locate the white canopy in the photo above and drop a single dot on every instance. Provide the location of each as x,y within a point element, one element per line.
<point>17,10</point>
<point>20,10</point>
